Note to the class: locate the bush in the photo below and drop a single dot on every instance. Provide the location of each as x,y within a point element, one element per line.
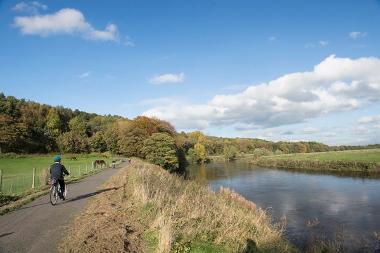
<point>230,152</point>
<point>261,152</point>
<point>160,149</point>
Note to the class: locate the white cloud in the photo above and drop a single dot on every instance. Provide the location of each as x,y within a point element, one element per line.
<point>323,43</point>
<point>370,119</point>
<point>65,21</point>
<point>334,85</point>
<point>167,78</point>
<point>357,35</point>
<point>309,45</point>
<point>128,42</point>
<point>30,7</point>
<point>310,130</point>
<point>84,74</point>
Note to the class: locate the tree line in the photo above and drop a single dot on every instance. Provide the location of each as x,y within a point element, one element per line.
<point>30,127</point>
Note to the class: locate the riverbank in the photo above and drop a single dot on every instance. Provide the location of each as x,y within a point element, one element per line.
<point>357,161</point>
<point>151,210</point>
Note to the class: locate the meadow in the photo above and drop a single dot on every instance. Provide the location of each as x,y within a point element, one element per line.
<point>366,162</point>
<point>365,155</point>
<point>17,170</point>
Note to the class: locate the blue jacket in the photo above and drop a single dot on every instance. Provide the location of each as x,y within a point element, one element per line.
<point>58,171</point>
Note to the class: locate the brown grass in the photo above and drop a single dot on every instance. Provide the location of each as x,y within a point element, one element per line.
<point>149,199</point>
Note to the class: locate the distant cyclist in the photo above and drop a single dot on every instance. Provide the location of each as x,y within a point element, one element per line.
<point>57,172</point>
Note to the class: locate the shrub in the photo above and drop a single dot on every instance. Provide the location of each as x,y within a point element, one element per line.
<point>160,149</point>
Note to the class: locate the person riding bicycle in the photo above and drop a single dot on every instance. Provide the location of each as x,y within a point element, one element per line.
<point>57,172</point>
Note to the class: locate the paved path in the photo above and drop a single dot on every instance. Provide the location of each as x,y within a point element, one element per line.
<point>38,226</point>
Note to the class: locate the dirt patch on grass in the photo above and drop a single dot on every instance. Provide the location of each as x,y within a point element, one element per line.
<point>108,224</point>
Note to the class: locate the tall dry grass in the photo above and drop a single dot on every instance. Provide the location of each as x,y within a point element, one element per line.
<point>144,199</point>
<point>185,210</point>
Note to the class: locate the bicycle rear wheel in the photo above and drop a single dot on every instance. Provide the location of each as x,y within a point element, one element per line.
<point>54,195</point>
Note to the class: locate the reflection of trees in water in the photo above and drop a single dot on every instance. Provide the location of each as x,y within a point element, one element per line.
<point>202,173</point>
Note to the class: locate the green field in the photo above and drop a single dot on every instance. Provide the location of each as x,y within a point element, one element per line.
<point>17,170</point>
<point>366,155</point>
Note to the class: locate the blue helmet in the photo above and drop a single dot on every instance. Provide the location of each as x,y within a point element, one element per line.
<point>57,158</point>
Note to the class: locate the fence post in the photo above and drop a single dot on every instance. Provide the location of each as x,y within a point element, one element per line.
<point>34,178</point>
<point>86,169</point>
<point>79,171</point>
<point>69,169</point>
<point>1,180</point>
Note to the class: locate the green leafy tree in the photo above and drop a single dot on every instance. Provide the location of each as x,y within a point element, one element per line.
<point>78,125</point>
<point>53,122</point>
<point>261,152</point>
<point>97,142</point>
<point>200,150</point>
<point>73,142</point>
<point>132,140</point>
<point>278,152</point>
<point>192,156</point>
<point>160,149</point>
<point>230,152</point>
<point>11,134</point>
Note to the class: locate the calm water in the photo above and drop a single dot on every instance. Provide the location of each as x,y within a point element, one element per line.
<point>345,206</point>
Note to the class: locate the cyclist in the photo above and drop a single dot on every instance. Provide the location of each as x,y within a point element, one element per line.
<point>57,172</point>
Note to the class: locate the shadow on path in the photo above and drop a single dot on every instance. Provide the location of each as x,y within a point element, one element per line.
<point>84,196</point>
<point>5,234</point>
<point>26,207</point>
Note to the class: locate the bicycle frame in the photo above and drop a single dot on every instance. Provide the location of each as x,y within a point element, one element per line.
<point>55,191</point>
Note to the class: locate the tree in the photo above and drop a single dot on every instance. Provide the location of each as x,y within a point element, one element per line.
<point>53,122</point>
<point>200,150</point>
<point>11,133</point>
<point>160,149</point>
<point>197,137</point>
<point>78,125</point>
<point>230,152</point>
<point>278,152</point>
<point>97,142</point>
<point>111,138</point>
<point>261,152</point>
<point>300,148</point>
<point>73,142</point>
<point>132,140</point>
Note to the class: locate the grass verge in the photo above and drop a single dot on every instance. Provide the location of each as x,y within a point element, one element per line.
<point>17,170</point>
<point>146,209</point>
<point>9,203</point>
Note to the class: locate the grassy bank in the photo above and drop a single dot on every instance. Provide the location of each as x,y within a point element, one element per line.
<point>362,161</point>
<point>146,209</point>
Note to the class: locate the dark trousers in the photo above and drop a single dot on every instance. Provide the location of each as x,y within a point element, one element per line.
<point>61,183</point>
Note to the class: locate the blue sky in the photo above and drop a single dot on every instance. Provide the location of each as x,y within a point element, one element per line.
<point>217,66</point>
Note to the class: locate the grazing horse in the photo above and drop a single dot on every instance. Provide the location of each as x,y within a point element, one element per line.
<point>100,163</point>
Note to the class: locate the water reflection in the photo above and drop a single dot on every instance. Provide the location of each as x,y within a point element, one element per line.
<point>351,204</point>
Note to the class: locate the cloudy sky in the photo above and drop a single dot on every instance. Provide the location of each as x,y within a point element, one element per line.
<point>278,70</point>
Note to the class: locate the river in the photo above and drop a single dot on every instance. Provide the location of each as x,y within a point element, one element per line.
<point>314,207</point>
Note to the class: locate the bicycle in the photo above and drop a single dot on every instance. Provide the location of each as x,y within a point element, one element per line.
<point>55,191</point>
